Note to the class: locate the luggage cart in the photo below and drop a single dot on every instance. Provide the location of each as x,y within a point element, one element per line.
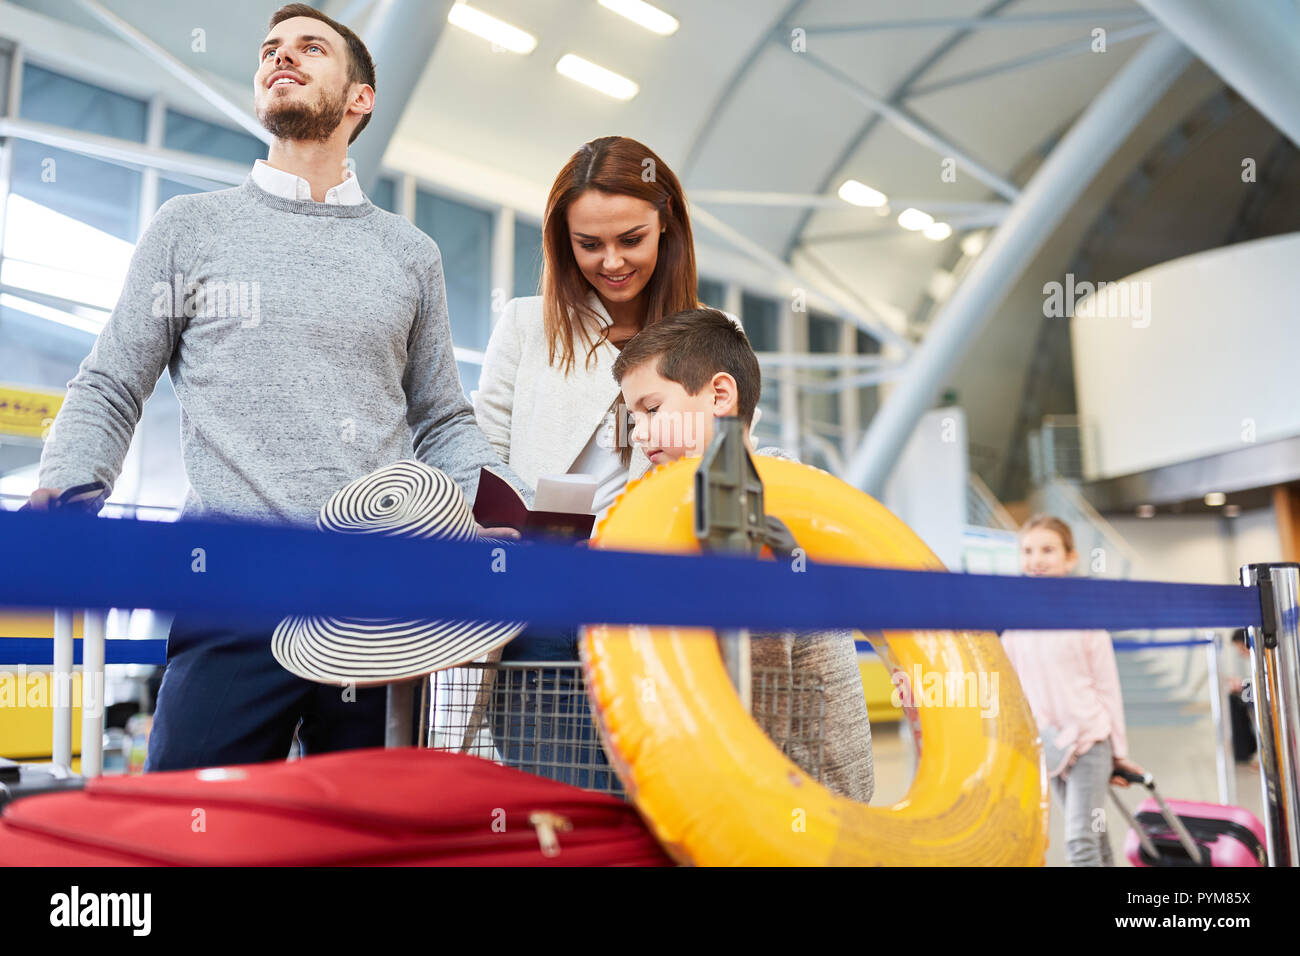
<point>536,716</point>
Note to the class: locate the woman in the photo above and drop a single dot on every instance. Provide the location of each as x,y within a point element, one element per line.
<point>617,255</point>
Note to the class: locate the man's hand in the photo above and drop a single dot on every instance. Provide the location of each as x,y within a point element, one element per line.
<point>40,498</point>
<point>498,532</point>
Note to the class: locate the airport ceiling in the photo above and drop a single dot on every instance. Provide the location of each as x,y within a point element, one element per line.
<point>730,106</point>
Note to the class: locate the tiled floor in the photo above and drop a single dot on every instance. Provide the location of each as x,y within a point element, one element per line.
<point>1182,759</point>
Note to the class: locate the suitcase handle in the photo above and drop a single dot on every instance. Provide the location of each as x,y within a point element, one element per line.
<point>1190,846</point>
<point>1145,779</point>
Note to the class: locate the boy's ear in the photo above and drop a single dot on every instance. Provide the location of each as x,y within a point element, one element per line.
<point>725,395</point>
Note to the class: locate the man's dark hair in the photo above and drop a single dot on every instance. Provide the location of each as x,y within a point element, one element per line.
<point>361,68</point>
<point>692,346</point>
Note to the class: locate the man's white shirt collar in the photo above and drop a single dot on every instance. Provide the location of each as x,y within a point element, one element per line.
<point>288,186</point>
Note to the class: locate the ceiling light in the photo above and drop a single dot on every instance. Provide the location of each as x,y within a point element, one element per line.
<point>597,77</point>
<point>498,32</point>
<point>861,194</point>
<point>1146,511</point>
<point>973,244</point>
<point>941,285</point>
<point>1215,498</point>
<point>643,14</point>
<point>938,231</point>
<point>914,219</point>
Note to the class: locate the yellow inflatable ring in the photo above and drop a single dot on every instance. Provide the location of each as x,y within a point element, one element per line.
<point>716,791</point>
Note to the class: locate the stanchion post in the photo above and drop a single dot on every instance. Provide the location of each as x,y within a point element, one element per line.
<point>729,518</point>
<point>92,692</point>
<point>1222,720</point>
<point>1275,662</point>
<point>61,692</point>
<point>400,722</point>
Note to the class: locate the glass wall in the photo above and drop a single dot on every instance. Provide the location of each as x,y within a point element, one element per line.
<point>464,236</point>
<point>102,195</point>
<point>761,318</point>
<point>528,260</point>
<point>712,293</point>
<point>189,134</point>
<point>384,195</point>
<point>869,397</point>
<point>823,408</point>
<point>71,221</point>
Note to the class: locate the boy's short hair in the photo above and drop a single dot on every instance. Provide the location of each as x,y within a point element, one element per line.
<point>361,68</point>
<point>692,346</point>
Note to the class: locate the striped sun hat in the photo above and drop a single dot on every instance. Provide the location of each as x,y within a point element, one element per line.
<point>406,498</point>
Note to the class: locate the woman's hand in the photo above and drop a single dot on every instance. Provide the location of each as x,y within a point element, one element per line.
<point>510,533</point>
<point>1121,763</point>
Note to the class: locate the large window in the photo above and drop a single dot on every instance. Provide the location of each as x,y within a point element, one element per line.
<point>100,194</point>
<point>712,293</point>
<point>823,339</point>
<point>528,260</point>
<point>384,195</point>
<point>189,134</point>
<point>869,397</point>
<point>70,221</point>
<point>464,236</point>
<point>761,318</point>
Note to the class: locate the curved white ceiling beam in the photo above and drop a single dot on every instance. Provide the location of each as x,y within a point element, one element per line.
<point>1252,44</point>
<point>1093,138</point>
<point>728,90</point>
<point>238,114</point>
<point>981,22</point>
<point>914,128</point>
<point>878,330</point>
<point>401,36</point>
<point>1060,52</point>
<point>896,95</point>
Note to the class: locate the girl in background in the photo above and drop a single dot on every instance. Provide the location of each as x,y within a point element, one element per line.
<point>1072,684</point>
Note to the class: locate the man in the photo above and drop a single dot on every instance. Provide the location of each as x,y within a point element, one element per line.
<point>307,337</point>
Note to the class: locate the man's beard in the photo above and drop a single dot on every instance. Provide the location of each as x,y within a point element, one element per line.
<point>305,121</point>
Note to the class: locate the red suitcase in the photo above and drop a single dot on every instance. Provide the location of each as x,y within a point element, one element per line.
<point>402,807</point>
<point>1188,833</point>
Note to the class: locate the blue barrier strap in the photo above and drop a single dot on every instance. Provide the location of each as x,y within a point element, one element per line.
<point>1124,645</point>
<point>235,570</point>
<point>39,651</point>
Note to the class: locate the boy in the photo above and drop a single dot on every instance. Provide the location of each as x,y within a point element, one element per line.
<point>677,376</point>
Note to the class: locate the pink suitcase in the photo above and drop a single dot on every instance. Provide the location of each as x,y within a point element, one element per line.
<point>1188,833</point>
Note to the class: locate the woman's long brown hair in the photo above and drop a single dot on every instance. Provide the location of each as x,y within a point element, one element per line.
<point>618,166</point>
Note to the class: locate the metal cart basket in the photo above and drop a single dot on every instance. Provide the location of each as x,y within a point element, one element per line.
<point>536,717</point>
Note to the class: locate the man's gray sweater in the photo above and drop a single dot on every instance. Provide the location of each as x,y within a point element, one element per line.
<point>308,344</point>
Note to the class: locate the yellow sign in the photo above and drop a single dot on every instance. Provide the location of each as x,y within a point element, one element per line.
<point>25,411</point>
